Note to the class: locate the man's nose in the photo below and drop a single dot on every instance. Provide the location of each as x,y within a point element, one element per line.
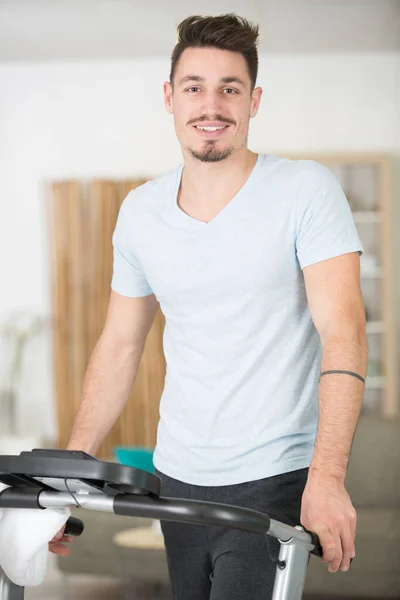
<point>212,104</point>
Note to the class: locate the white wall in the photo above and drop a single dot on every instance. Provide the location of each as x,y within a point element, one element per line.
<point>107,119</point>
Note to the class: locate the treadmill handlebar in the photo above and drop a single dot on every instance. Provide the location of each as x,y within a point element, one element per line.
<point>192,511</point>
<point>212,513</point>
<point>168,509</point>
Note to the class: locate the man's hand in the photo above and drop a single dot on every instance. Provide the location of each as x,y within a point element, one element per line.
<point>327,511</point>
<point>57,544</point>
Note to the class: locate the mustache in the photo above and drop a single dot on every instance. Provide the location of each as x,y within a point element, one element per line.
<point>215,118</point>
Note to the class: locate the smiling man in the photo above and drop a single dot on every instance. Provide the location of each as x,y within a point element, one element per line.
<point>254,261</point>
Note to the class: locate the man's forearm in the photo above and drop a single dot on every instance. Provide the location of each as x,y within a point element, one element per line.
<point>108,382</point>
<point>340,401</point>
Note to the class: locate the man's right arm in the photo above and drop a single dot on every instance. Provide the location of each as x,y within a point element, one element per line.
<point>112,369</point>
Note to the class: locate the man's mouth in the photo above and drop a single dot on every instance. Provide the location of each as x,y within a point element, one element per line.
<point>209,128</point>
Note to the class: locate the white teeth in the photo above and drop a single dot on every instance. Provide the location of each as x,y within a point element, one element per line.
<point>210,128</point>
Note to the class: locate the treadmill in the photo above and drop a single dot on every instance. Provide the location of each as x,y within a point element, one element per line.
<point>43,478</point>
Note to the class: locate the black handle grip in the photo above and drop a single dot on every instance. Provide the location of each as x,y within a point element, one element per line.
<point>74,527</point>
<point>199,512</point>
<point>317,550</point>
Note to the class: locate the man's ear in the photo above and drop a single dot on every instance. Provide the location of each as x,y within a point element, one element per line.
<point>168,93</point>
<point>255,101</point>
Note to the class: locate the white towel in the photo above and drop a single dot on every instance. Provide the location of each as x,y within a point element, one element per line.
<point>24,537</point>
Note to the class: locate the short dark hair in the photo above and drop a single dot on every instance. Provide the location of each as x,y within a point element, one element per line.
<point>226,32</point>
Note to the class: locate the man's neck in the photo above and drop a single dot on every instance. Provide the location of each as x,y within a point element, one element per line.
<point>210,185</point>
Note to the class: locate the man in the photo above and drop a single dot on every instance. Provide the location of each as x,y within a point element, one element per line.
<point>254,261</point>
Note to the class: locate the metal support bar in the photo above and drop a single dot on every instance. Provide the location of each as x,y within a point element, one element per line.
<point>8,589</point>
<point>89,501</point>
<point>290,581</point>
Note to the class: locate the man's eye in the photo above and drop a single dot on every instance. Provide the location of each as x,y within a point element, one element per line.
<point>193,88</point>
<point>230,90</point>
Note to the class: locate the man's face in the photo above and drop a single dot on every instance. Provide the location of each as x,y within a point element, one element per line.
<point>212,102</point>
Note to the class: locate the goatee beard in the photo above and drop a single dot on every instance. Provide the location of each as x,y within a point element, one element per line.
<point>210,154</point>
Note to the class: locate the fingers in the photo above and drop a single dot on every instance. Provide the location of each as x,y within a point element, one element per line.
<point>59,548</point>
<point>348,547</point>
<point>327,542</point>
<point>338,545</point>
<point>335,562</point>
<point>57,544</point>
<point>346,529</point>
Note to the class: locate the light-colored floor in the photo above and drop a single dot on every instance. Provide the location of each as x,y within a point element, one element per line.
<point>58,586</point>
<point>83,587</point>
<point>75,587</point>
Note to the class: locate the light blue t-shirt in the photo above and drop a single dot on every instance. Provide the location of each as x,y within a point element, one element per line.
<point>240,400</point>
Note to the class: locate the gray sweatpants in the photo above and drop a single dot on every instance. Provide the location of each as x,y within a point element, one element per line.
<point>215,563</point>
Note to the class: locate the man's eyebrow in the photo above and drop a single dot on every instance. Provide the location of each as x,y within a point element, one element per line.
<point>191,78</point>
<point>232,80</point>
<point>197,78</point>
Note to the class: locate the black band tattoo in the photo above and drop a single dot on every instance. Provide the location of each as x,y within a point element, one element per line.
<point>346,373</point>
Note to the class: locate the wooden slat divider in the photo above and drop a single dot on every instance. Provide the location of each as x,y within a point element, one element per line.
<point>82,219</point>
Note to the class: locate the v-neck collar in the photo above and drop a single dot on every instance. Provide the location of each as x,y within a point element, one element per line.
<point>196,224</point>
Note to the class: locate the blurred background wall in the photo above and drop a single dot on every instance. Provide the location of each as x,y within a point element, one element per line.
<point>81,96</point>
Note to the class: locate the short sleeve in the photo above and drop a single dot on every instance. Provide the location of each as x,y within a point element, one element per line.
<point>324,221</point>
<point>128,278</point>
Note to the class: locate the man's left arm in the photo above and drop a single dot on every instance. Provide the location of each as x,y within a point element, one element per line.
<point>337,310</point>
